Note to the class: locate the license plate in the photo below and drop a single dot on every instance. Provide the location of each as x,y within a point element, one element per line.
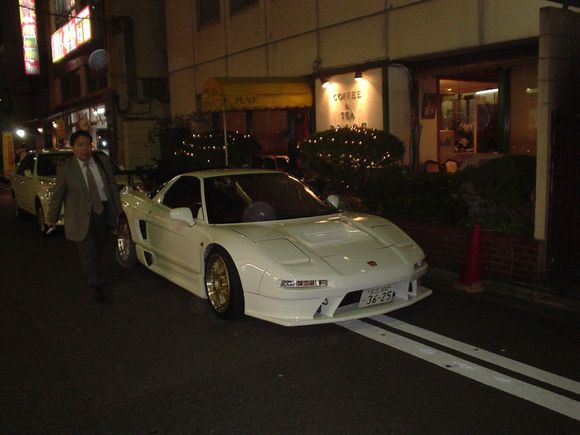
<point>376,295</point>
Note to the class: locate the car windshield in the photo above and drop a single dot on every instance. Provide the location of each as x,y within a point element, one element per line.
<point>261,197</point>
<point>47,163</point>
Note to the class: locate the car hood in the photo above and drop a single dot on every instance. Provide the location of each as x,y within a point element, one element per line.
<point>342,240</point>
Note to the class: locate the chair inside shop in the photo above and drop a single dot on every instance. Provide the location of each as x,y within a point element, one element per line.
<point>431,166</point>
<point>450,166</point>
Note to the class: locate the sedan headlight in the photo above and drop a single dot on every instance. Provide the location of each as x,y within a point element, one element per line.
<point>420,264</point>
<point>48,194</point>
<point>309,283</point>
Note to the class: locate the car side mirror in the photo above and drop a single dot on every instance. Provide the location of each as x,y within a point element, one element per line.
<point>28,173</point>
<point>182,214</point>
<point>334,200</point>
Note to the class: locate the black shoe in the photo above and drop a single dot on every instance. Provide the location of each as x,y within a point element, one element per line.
<point>100,294</point>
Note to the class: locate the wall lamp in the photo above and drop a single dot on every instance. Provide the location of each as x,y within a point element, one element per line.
<point>358,75</point>
<point>324,81</point>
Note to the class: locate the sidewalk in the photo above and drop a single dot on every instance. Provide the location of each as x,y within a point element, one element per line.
<point>555,300</point>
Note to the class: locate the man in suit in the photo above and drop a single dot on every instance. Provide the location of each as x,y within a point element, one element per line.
<point>86,185</point>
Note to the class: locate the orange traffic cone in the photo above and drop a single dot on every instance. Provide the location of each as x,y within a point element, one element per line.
<point>470,279</point>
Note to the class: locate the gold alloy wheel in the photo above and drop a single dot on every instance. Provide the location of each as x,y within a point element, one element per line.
<point>124,241</point>
<point>218,284</point>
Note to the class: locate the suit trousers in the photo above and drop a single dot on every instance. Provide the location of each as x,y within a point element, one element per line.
<point>91,249</point>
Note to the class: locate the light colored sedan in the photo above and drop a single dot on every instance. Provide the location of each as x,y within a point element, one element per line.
<point>262,243</point>
<point>34,180</point>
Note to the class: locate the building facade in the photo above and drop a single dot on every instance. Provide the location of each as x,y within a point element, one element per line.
<point>104,68</point>
<point>457,82</point>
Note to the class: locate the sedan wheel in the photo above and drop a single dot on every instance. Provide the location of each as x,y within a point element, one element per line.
<point>222,285</point>
<point>40,222</point>
<point>126,252</point>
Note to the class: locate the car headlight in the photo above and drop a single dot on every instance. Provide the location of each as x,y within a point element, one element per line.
<point>48,193</point>
<point>308,283</point>
<point>420,264</point>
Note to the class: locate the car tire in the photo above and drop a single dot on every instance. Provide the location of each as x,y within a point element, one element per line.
<point>126,252</point>
<point>18,212</point>
<point>40,222</point>
<point>222,285</point>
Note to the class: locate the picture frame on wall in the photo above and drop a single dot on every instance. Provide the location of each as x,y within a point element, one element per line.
<point>429,106</point>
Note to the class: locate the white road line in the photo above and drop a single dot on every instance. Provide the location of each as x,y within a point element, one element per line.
<point>468,349</point>
<point>492,378</point>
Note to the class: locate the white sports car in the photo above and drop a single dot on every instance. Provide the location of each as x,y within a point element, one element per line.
<point>262,243</point>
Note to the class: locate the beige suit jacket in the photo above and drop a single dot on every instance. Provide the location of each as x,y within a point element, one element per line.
<point>72,191</point>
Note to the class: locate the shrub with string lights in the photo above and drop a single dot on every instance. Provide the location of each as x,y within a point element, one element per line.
<point>344,155</point>
<point>207,149</point>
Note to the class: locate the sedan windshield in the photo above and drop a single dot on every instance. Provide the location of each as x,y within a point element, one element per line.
<point>261,197</point>
<point>47,163</point>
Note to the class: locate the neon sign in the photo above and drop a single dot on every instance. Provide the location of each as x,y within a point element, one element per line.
<point>29,37</point>
<point>72,35</point>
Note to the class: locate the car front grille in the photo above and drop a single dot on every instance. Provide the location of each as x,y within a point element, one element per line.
<point>351,298</point>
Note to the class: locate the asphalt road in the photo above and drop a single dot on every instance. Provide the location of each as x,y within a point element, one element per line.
<point>154,360</point>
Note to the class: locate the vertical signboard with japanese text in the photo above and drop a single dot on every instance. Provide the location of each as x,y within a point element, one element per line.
<point>29,36</point>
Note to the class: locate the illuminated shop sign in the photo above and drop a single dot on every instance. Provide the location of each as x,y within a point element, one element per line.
<point>72,35</point>
<point>29,37</point>
<point>347,102</point>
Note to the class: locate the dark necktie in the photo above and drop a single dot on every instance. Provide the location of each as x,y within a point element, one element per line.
<point>93,191</point>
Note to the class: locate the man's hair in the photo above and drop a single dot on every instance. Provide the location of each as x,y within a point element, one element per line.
<point>77,134</point>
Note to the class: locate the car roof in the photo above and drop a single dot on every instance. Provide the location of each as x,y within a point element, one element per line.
<point>208,173</point>
<point>61,151</point>
<point>46,152</point>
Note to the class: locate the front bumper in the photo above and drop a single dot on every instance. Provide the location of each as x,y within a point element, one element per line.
<point>335,306</point>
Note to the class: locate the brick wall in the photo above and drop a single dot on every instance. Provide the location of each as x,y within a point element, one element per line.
<point>504,258</point>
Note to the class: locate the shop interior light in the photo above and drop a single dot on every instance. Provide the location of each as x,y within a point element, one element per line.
<point>358,75</point>
<point>40,129</point>
<point>20,132</point>
<point>487,91</point>
<point>54,124</point>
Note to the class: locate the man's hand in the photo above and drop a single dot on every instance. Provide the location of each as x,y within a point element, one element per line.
<point>51,228</point>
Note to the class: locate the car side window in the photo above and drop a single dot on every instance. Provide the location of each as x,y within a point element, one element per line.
<point>185,192</point>
<point>46,166</point>
<point>26,163</point>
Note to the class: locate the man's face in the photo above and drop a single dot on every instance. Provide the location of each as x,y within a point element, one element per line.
<point>82,148</point>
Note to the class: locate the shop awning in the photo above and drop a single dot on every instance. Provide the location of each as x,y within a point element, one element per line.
<point>254,93</point>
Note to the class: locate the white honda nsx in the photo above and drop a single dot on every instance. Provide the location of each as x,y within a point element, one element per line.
<point>261,243</point>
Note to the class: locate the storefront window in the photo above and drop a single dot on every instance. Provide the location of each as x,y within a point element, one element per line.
<point>70,85</point>
<point>468,118</point>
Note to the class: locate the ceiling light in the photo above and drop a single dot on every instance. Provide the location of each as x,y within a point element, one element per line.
<point>487,91</point>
